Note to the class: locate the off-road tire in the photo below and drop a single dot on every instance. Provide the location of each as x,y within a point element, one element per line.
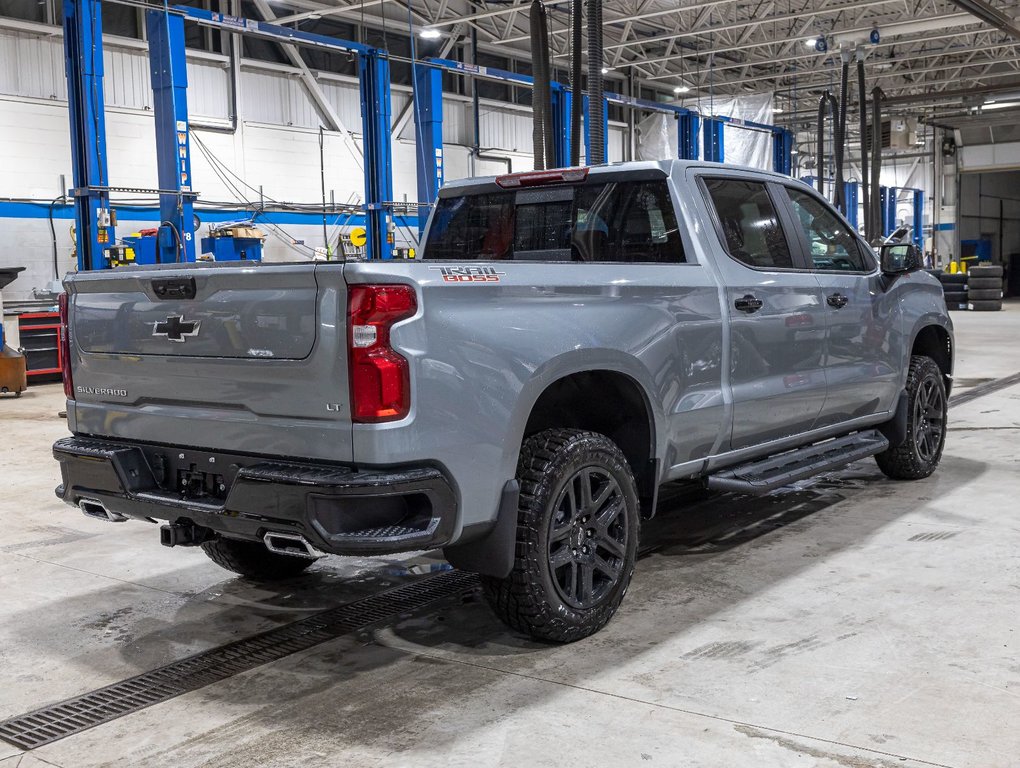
<point>920,452</point>
<point>953,279</point>
<point>985,306</point>
<point>956,297</point>
<point>988,270</point>
<point>984,294</point>
<point>984,283</point>
<point>553,468</point>
<point>253,560</point>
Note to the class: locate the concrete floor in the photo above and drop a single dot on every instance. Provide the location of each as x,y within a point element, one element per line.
<point>852,622</point>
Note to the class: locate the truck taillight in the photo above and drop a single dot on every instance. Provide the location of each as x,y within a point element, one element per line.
<point>65,348</point>
<point>380,378</point>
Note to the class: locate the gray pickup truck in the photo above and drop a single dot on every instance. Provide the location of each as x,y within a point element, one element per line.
<point>570,341</point>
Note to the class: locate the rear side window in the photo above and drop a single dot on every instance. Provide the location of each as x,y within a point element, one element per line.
<point>629,221</point>
<point>750,224</point>
<point>831,244</point>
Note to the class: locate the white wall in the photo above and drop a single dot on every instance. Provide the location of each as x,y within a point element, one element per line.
<point>275,146</point>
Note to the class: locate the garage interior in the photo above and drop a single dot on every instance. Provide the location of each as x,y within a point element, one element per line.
<point>843,620</point>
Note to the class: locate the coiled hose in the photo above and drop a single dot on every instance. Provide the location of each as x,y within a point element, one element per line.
<point>862,104</point>
<point>576,102</point>
<point>825,100</point>
<point>839,151</point>
<point>540,91</point>
<point>876,163</point>
<point>596,102</point>
<point>548,132</point>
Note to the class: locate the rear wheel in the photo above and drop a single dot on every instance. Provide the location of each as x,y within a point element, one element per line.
<point>920,452</point>
<point>577,531</point>
<point>252,559</point>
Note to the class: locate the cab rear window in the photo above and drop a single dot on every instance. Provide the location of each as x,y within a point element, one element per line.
<point>627,221</point>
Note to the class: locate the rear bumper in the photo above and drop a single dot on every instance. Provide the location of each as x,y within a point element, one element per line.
<point>338,509</point>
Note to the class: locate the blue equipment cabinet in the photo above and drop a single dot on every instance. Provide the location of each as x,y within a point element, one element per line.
<point>233,248</point>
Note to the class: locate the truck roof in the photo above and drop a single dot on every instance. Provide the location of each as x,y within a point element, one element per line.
<point>622,169</point>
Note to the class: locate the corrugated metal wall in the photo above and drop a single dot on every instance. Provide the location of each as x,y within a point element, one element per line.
<point>33,66</point>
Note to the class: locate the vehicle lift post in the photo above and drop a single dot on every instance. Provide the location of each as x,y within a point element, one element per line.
<point>428,136</point>
<point>688,125</point>
<point>851,192</point>
<point>374,71</point>
<point>712,129</point>
<point>168,69</point>
<point>83,60</point>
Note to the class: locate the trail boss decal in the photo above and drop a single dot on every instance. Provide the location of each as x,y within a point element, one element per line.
<point>469,274</point>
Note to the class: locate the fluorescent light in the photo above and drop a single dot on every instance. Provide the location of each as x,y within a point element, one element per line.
<point>430,33</point>
<point>682,89</point>
<point>1000,104</point>
<point>777,110</point>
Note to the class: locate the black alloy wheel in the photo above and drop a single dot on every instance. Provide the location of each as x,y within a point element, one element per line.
<point>588,537</point>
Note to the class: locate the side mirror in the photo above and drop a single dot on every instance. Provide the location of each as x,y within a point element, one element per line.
<point>900,258</point>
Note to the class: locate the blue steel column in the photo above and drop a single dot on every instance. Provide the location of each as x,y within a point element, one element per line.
<point>851,191</point>
<point>374,71</point>
<point>561,124</point>
<point>688,124</point>
<point>168,66</point>
<point>83,61</point>
<point>887,195</point>
<point>919,218</point>
<point>428,137</point>
<point>782,148</point>
<point>713,140</point>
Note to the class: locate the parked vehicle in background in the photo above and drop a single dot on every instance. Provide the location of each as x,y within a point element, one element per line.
<point>569,341</point>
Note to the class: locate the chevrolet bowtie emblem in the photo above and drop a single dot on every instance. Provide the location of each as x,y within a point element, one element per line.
<point>176,328</point>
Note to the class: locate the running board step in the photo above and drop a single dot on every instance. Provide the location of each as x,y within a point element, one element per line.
<point>760,477</point>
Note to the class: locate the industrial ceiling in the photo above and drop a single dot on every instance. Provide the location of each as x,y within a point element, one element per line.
<point>940,57</point>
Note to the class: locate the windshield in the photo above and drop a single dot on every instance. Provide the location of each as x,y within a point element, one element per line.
<point>628,221</point>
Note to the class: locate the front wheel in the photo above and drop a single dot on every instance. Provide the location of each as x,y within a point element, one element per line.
<point>577,532</point>
<point>927,406</point>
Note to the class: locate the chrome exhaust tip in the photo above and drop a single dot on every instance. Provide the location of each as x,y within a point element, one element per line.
<point>292,544</point>
<point>98,510</point>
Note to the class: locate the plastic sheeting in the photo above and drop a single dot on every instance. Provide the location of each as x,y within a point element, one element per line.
<point>657,133</point>
<point>657,137</point>
<point>743,146</point>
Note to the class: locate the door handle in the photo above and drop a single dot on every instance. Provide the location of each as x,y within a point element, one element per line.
<point>837,300</point>
<point>748,304</point>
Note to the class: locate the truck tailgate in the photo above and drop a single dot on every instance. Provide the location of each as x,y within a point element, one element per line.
<point>246,358</point>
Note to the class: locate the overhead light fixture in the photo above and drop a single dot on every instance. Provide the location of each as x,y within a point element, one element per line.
<point>777,110</point>
<point>1000,104</point>
<point>430,33</point>
<point>682,89</point>
<point>605,70</point>
<point>810,42</point>
<point>794,152</point>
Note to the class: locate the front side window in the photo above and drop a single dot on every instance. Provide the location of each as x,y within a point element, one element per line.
<point>750,224</point>
<point>627,221</point>
<point>832,245</point>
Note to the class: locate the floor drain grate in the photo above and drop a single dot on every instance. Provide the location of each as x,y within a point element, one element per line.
<point>66,718</point>
<point>981,390</point>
